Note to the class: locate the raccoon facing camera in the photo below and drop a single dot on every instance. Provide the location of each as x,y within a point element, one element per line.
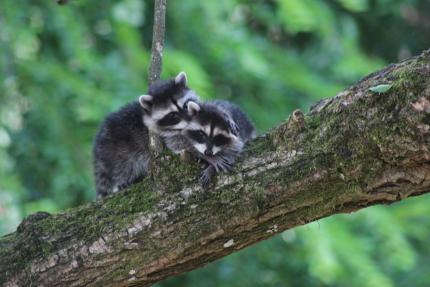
<point>217,133</point>
<point>121,149</point>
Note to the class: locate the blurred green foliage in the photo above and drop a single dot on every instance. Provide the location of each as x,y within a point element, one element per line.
<point>63,68</point>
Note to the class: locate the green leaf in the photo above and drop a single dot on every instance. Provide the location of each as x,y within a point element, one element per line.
<point>381,88</point>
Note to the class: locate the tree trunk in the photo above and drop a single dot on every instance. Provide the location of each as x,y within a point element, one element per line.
<point>357,149</point>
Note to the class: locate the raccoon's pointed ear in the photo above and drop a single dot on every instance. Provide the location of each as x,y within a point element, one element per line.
<point>145,101</point>
<point>233,128</point>
<point>193,108</point>
<point>181,79</point>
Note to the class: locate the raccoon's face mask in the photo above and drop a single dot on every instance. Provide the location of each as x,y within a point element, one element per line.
<point>209,132</point>
<point>207,144</point>
<point>165,111</point>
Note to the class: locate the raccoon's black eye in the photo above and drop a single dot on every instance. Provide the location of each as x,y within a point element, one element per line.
<point>198,136</point>
<point>220,140</point>
<point>170,119</point>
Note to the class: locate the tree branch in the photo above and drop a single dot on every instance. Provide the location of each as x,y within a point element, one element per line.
<point>159,29</point>
<point>357,149</point>
<point>155,68</point>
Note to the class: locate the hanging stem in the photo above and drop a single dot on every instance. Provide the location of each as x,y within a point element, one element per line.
<point>155,67</point>
<point>157,41</point>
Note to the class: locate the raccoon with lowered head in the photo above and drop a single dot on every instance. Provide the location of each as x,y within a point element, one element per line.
<point>217,133</point>
<point>121,151</point>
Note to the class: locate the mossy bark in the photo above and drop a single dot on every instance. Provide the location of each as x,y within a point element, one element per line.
<point>357,149</point>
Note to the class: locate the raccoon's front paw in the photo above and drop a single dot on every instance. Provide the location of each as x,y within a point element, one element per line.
<point>206,177</point>
<point>204,180</point>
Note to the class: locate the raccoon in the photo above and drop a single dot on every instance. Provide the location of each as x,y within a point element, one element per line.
<point>121,151</point>
<point>217,133</point>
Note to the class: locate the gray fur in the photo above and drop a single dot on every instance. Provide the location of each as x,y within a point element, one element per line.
<point>121,152</point>
<point>229,120</point>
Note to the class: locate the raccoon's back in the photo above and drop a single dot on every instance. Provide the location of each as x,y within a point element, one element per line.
<point>123,128</point>
<point>120,150</point>
<point>246,128</point>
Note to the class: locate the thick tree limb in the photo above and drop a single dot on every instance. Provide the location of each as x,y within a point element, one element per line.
<point>357,149</point>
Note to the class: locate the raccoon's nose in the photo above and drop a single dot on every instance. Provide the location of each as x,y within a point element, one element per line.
<point>208,152</point>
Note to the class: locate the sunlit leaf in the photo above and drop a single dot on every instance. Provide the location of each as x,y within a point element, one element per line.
<point>381,88</point>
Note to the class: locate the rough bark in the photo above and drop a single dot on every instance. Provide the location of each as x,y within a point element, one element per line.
<point>159,29</point>
<point>155,68</point>
<point>357,149</point>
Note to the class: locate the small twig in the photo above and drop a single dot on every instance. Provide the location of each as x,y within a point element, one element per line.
<point>155,67</point>
<point>157,41</point>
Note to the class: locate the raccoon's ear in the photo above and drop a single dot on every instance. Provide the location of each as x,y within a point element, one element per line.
<point>193,108</point>
<point>234,129</point>
<point>181,79</point>
<point>145,101</point>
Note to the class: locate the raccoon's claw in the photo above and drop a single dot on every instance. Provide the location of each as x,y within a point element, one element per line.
<point>224,166</point>
<point>206,177</point>
<point>204,180</point>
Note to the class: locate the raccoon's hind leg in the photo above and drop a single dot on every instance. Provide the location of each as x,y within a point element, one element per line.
<point>130,171</point>
<point>103,179</point>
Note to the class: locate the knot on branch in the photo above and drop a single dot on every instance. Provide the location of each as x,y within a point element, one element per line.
<point>297,121</point>
<point>291,129</point>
